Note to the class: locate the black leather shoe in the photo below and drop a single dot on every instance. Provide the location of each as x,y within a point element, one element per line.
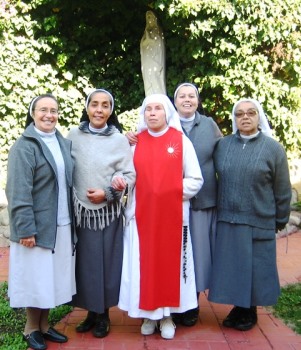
<point>87,324</point>
<point>102,326</point>
<point>55,336</point>
<point>177,318</point>
<point>232,318</point>
<point>190,317</point>
<point>35,340</point>
<point>247,320</point>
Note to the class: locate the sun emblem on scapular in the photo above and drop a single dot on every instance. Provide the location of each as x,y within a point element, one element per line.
<point>172,150</point>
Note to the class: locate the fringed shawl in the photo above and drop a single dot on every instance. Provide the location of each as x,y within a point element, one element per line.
<point>98,158</point>
<point>102,216</point>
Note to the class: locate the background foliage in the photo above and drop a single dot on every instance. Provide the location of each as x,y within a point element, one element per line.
<point>230,49</point>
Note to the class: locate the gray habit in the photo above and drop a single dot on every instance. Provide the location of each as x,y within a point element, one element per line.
<point>203,232</point>
<point>244,270</point>
<point>98,266</point>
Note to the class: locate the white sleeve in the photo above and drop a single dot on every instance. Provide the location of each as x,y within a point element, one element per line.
<point>192,174</point>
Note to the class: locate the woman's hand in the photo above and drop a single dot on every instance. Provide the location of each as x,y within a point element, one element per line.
<point>96,195</point>
<point>132,137</point>
<point>118,183</point>
<point>28,241</point>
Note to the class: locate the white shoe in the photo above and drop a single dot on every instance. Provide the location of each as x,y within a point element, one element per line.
<point>148,327</point>
<point>167,328</point>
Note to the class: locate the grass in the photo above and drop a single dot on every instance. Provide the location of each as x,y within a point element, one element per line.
<point>12,321</point>
<point>288,308</point>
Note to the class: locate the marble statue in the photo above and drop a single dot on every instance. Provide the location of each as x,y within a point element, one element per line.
<point>152,51</point>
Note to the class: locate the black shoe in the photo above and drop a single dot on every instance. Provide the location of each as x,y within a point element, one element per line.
<point>102,326</point>
<point>177,318</point>
<point>55,336</point>
<point>35,340</point>
<point>247,320</point>
<point>232,318</point>
<point>190,317</point>
<point>87,324</point>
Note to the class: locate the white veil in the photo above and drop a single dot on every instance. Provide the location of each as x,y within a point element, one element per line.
<point>172,117</point>
<point>263,121</point>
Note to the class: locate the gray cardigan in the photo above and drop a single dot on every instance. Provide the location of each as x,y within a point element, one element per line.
<point>32,188</point>
<point>204,136</point>
<point>253,181</point>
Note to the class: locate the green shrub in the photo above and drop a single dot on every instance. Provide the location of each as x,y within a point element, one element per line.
<point>230,49</point>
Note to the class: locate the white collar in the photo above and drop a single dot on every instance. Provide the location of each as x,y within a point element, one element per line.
<point>97,130</point>
<point>159,133</point>
<point>186,120</point>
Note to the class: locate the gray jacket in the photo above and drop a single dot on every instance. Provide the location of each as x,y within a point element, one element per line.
<point>32,188</point>
<point>204,136</point>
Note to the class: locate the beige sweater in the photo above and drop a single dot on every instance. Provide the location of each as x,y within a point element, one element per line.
<point>98,158</point>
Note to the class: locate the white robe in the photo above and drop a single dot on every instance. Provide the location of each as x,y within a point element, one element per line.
<point>130,279</point>
<point>47,279</point>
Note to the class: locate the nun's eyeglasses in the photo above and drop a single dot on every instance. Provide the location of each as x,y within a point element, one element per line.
<point>46,111</point>
<point>250,113</point>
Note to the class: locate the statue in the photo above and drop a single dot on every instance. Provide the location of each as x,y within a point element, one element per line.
<point>152,51</point>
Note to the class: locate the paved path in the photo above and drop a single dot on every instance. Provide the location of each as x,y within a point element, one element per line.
<point>208,334</point>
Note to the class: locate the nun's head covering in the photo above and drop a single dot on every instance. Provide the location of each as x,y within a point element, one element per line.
<point>31,108</point>
<point>263,121</point>
<point>88,99</point>
<point>113,120</point>
<point>172,117</point>
<point>200,107</point>
<point>186,84</point>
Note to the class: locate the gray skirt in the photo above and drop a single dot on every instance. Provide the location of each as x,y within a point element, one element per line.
<point>98,266</point>
<point>244,267</point>
<point>203,233</point>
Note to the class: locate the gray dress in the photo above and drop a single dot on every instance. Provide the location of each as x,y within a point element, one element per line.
<point>254,195</point>
<point>245,271</point>
<point>204,135</point>
<point>98,266</point>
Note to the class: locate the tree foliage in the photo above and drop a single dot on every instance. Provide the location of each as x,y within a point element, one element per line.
<point>230,49</point>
